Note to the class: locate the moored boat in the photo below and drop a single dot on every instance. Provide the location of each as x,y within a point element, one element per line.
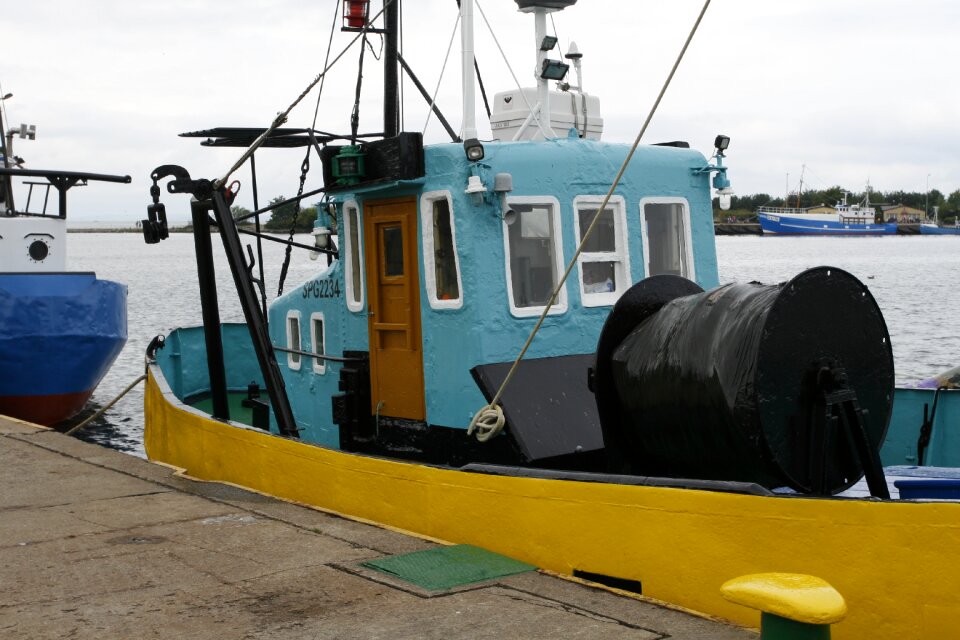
<point>60,330</point>
<point>845,220</point>
<point>661,431</point>
<point>929,229</point>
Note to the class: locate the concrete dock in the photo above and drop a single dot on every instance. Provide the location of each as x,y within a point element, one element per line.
<point>99,544</point>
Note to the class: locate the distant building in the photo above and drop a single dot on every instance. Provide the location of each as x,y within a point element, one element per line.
<point>901,213</point>
<point>823,208</point>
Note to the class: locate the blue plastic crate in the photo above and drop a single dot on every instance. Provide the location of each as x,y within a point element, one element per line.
<point>929,488</point>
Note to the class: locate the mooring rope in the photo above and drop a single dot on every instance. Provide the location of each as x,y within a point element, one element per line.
<point>489,420</point>
<point>109,404</point>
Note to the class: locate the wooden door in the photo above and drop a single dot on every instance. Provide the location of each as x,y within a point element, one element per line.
<point>393,285</point>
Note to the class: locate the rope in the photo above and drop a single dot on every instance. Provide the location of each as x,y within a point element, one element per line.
<point>110,404</point>
<point>482,417</point>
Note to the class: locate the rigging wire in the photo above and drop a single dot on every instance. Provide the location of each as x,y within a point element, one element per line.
<point>282,116</point>
<point>489,420</point>
<point>536,115</point>
<point>304,168</point>
<point>433,99</point>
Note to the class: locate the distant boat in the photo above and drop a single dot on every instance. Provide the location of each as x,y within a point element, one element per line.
<point>930,229</point>
<point>845,220</point>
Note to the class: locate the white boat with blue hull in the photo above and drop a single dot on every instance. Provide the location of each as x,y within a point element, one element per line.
<point>657,429</point>
<point>845,220</point>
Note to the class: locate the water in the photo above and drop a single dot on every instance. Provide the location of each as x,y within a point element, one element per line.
<point>162,294</point>
<point>911,278</point>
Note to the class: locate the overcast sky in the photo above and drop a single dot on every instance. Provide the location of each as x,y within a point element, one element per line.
<point>851,89</point>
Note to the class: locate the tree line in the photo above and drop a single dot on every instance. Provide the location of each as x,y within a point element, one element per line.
<point>745,206</point>
<point>282,218</point>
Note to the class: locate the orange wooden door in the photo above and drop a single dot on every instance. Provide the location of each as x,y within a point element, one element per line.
<point>393,286</point>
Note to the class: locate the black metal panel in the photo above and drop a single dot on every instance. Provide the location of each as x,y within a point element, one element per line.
<point>399,158</point>
<point>550,412</point>
<point>351,409</point>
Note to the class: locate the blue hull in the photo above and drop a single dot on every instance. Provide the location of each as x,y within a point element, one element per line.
<point>787,225</point>
<point>59,335</point>
<point>931,230</point>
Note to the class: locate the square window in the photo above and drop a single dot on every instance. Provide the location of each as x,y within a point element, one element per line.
<point>604,262</point>
<point>440,259</point>
<point>666,237</point>
<point>532,243</point>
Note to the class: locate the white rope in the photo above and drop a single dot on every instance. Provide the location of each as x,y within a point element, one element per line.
<point>479,417</point>
<point>487,422</point>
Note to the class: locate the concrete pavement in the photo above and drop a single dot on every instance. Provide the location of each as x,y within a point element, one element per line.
<point>99,544</point>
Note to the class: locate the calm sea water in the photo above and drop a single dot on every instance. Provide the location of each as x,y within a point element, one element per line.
<point>911,278</point>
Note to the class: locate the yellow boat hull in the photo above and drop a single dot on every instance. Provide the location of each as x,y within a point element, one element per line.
<point>896,563</point>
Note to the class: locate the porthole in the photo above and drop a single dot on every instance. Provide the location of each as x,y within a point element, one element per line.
<point>38,250</point>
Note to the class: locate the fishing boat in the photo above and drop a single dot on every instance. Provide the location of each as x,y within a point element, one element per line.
<point>60,330</point>
<point>933,229</point>
<point>635,424</point>
<point>858,219</point>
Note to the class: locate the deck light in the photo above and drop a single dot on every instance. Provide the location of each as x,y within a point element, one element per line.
<point>355,13</point>
<point>549,42</point>
<point>724,197</point>
<point>721,142</point>
<point>475,189</point>
<point>473,149</point>
<point>554,69</point>
<point>348,165</point>
<point>321,239</point>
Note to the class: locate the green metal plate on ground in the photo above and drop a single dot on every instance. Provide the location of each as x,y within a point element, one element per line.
<point>448,567</point>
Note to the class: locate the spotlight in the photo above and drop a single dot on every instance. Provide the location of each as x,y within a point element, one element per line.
<point>473,149</point>
<point>554,69</point>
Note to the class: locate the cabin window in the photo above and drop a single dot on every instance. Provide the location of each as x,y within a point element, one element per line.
<point>604,264</point>
<point>318,342</point>
<point>353,250</point>
<point>293,339</point>
<point>534,257</point>
<point>667,244</point>
<point>440,260</point>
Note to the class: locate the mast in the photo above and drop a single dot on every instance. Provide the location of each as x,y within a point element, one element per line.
<point>391,96</point>
<point>543,89</point>
<point>467,70</point>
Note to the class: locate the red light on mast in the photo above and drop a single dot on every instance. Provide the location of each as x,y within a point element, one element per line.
<point>355,13</point>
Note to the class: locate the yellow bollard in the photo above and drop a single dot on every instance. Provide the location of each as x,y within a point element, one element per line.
<point>793,606</point>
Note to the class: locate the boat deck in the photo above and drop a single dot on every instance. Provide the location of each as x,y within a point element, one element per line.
<point>98,544</point>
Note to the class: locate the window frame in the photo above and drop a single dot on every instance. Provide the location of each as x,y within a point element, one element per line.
<point>620,254</point>
<point>561,305</point>
<point>319,366</point>
<point>294,360</point>
<point>429,250</point>
<point>687,233</point>
<point>348,250</point>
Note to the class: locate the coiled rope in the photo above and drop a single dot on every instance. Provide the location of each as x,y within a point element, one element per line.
<point>489,420</point>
